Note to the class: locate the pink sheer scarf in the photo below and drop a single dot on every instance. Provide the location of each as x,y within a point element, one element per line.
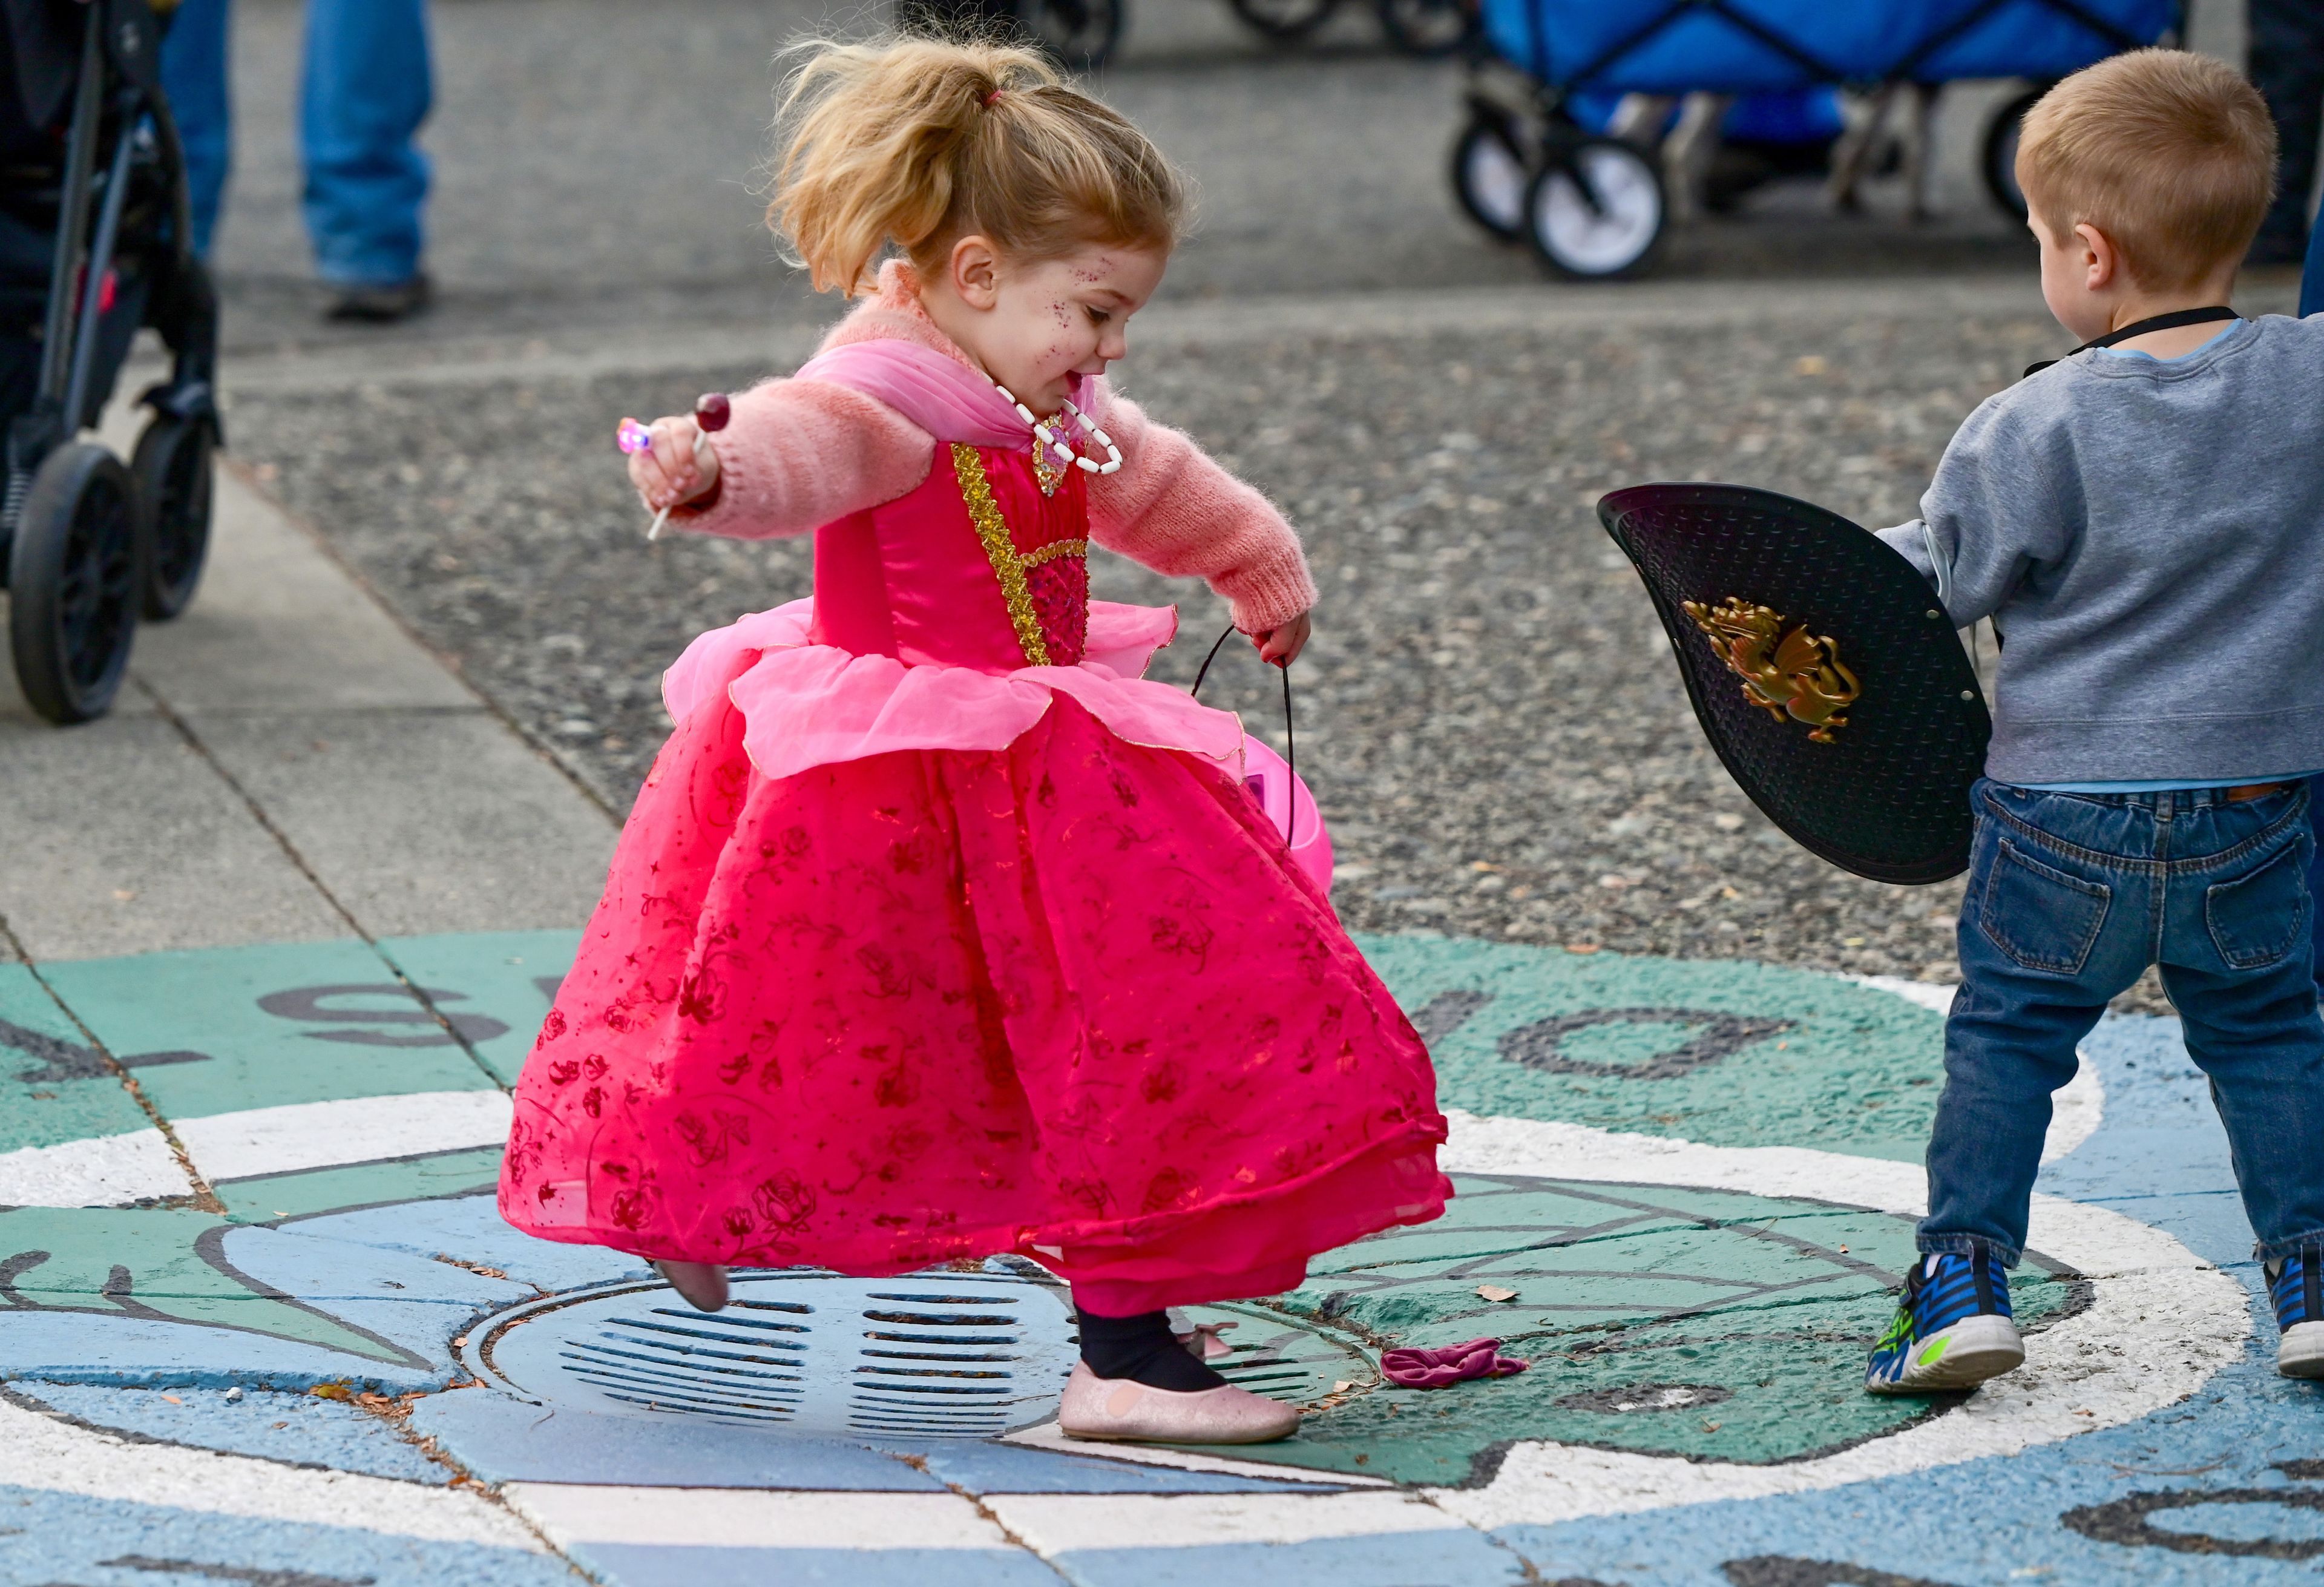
<point>941,395</point>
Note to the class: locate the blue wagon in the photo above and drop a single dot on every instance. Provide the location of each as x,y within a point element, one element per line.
<point>1526,167</point>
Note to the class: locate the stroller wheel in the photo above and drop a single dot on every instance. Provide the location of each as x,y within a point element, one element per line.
<point>1597,212</point>
<point>172,467</point>
<point>76,580</point>
<point>1284,20</point>
<point>1490,177</point>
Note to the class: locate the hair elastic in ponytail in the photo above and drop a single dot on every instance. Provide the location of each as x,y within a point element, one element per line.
<point>992,96</point>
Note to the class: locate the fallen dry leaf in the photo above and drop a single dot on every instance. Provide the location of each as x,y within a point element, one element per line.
<point>1494,1292</point>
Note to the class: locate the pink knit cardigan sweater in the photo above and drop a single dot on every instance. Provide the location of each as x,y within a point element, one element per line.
<point>800,453</point>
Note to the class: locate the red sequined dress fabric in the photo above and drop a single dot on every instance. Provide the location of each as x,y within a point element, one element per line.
<point>1067,996</point>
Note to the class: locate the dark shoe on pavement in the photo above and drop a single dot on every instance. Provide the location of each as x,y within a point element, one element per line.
<point>382,305</point>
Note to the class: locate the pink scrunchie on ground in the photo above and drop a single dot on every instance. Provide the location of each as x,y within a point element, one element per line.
<point>1439,1368</point>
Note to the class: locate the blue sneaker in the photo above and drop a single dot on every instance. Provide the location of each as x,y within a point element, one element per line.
<point>2296,1284</point>
<point>1952,1329</point>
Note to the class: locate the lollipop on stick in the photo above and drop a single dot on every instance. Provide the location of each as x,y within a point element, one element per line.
<point>711,413</point>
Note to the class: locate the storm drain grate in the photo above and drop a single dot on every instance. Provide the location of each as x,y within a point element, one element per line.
<point>969,1355</point>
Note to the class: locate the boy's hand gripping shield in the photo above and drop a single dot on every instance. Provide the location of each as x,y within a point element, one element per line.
<point>1822,668</point>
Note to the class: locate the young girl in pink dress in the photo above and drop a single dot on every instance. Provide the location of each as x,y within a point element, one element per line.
<point>937,931</point>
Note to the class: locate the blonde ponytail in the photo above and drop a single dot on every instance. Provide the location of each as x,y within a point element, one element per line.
<point>917,142</point>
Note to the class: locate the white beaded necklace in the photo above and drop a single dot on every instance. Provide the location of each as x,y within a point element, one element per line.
<point>1065,455</point>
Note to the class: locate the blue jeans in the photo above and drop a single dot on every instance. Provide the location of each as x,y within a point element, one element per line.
<point>365,91</point>
<point>2070,897</point>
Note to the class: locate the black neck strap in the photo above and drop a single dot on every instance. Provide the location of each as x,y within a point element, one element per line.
<point>2139,327</point>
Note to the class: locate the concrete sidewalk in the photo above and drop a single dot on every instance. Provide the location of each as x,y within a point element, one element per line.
<point>286,764</point>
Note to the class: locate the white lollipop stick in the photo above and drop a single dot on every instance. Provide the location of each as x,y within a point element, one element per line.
<point>701,460</point>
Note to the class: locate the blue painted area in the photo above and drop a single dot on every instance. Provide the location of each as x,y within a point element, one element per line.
<point>1012,1468</point>
<point>82,1347</point>
<point>471,1229</point>
<point>48,1539</point>
<point>505,1440</point>
<point>2160,1157</point>
<point>640,1566</point>
<point>297,1429</point>
<point>1451,1558</point>
<point>413,1301</point>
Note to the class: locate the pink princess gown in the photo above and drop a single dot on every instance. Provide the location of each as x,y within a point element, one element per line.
<point>938,932</point>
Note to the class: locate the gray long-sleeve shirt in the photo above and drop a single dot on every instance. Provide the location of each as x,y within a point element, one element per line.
<point>2148,536</point>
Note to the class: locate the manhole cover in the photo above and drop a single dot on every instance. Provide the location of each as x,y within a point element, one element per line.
<point>969,1355</point>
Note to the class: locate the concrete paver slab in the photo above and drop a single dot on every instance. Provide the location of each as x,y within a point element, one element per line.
<point>121,839</point>
<point>278,627</point>
<point>422,822</point>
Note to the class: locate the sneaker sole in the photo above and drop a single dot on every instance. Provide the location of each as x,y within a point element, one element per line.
<point>2301,1354</point>
<point>1973,1350</point>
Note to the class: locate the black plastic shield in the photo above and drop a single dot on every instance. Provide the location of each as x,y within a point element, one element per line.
<point>1889,797</point>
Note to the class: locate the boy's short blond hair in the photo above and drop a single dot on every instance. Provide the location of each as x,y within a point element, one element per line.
<point>2170,153</point>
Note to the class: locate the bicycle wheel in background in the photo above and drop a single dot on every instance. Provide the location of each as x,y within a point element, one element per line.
<point>1284,21</point>
<point>1999,161</point>
<point>1431,27</point>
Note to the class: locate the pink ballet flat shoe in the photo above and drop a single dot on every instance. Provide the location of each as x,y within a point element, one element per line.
<point>703,1284</point>
<point>1117,1410</point>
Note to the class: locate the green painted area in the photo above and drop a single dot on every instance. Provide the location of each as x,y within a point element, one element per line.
<point>154,1264</point>
<point>53,1086</point>
<point>495,987</point>
<point>1726,1053</point>
<point>221,1029</point>
<point>272,1198</point>
<point>1711,1325</point>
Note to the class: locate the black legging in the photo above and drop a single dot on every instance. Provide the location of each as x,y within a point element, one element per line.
<point>2285,57</point>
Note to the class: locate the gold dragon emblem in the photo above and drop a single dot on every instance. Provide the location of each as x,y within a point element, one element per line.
<point>1793,674</point>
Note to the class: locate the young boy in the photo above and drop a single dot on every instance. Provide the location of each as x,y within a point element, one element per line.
<point>2144,522</point>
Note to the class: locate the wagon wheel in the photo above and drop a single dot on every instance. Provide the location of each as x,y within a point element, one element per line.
<point>1490,179</point>
<point>1999,161</point>
<point>1596,212</point>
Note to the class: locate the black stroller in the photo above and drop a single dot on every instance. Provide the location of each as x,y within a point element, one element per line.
<point>94,244</point>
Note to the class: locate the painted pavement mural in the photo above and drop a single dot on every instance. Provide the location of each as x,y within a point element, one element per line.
<point>1686,1190</point>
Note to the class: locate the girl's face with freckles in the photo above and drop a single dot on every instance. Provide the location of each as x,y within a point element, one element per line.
<point>1035,324</point>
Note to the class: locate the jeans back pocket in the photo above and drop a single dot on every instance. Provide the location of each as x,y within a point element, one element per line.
<point>2039,916</point>
<point>2260,916</point>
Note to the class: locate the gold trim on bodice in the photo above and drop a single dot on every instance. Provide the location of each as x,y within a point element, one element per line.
<point>1010,565</point>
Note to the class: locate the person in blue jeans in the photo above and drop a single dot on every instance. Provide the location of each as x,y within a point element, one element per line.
<point>365,88</point>
<point>2139,520</point>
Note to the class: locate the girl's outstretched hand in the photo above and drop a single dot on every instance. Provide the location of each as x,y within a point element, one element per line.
<point>674,469</point>
<point>1278,646</point>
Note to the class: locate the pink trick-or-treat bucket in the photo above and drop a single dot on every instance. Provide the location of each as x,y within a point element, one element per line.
<point>1289,804</point>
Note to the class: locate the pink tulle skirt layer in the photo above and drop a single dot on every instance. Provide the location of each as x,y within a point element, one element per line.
<point>1068,998</point>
